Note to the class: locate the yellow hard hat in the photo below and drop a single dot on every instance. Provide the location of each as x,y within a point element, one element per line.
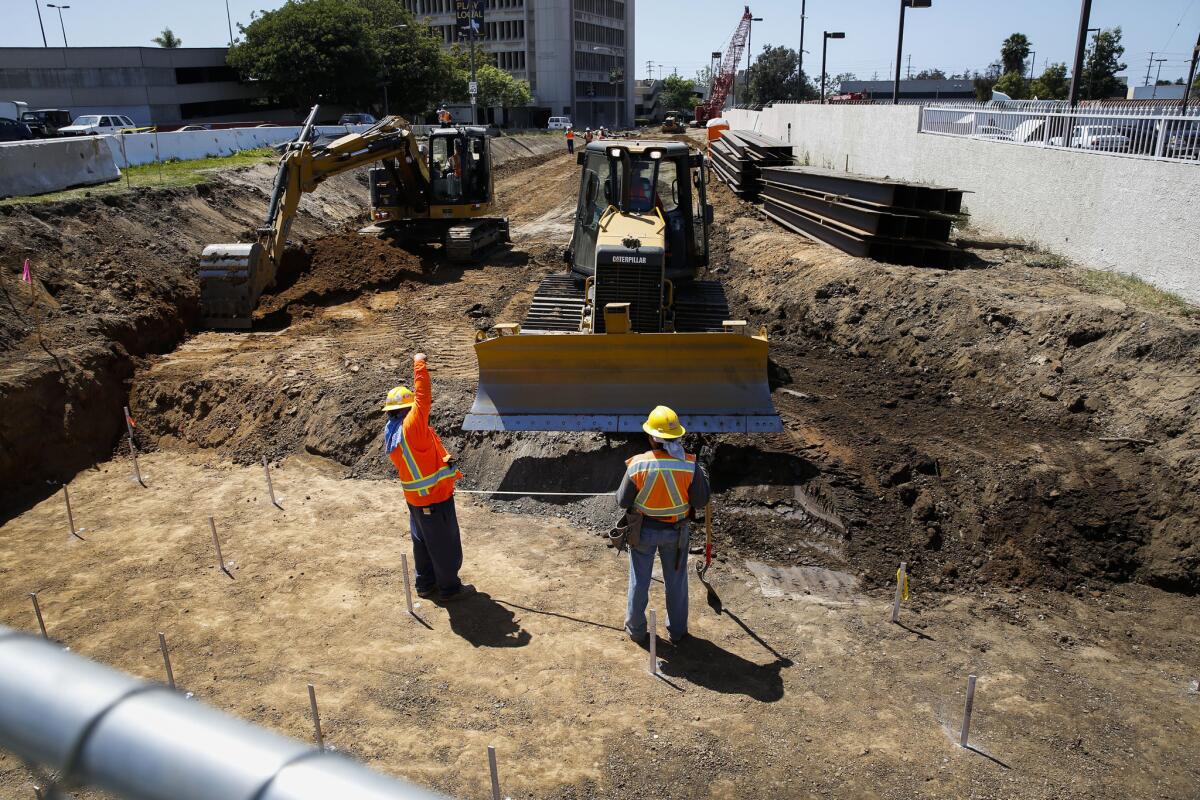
<point>663,423</point>
<point>398,398</point>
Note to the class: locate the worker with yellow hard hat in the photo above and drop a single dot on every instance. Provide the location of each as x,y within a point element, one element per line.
<point>427,476</point>
<point>664,485</point>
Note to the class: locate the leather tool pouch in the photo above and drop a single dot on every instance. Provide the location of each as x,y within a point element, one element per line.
<point>626,531</point>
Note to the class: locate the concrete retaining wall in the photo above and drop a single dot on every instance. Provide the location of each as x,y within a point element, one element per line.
<point>145,148</point>
<point>1111,212</point>
<point>47,166</point>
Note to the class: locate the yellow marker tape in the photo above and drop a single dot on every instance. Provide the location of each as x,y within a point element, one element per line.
<point>902,579</point>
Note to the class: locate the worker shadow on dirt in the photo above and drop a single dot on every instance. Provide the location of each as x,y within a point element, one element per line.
<point>704,663</point>
<point>485,623</point>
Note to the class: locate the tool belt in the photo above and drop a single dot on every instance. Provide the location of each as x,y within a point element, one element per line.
<point>627,531</point>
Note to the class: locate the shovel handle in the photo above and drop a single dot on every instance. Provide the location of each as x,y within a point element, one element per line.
<point>708,533</point>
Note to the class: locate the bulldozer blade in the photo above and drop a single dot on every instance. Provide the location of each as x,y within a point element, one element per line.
<point>716,382</point>
<point>232,277</point>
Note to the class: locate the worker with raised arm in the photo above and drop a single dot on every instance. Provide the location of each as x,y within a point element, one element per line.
<point>427,474</point>
<point>666,486</point>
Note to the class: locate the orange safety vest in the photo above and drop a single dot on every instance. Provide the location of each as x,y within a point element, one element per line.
<point>424,483</point>
<point>570,133</point>
<point>663,484</point>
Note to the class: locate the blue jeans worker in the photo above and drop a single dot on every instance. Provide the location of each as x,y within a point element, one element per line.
<point>427,476</point>
<point>665,485</point>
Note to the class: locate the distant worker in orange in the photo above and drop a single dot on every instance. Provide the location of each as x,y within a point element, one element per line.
<point>587,136</point>
<point>570,140</point>
<point>427,475</point>
<point>666,486</point>
<point>443,117</point>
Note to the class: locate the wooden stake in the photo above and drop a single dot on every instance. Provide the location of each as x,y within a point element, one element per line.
<point>495,772</point>
<point>162,645</point>
<point>70,516</point>
<point>217,544</point>
<point>37,610</point>
<point>137,472</point>
<point>653,644</point>
<point>407,586</point>
<point>270,487</point>
<point>966,726</point>
<point>312,702</point>
<point>900,578</point>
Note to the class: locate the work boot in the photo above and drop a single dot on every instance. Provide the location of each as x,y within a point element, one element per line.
<point>430,592</point>
<point>465,591</point>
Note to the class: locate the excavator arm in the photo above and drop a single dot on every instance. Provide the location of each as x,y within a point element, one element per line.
<point>233,276</point>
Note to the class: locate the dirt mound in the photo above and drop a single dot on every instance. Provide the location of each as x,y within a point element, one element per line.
<point>114,281</point>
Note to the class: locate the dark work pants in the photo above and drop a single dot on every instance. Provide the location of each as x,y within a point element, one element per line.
<point>570,145</point>
<point>437,547</point>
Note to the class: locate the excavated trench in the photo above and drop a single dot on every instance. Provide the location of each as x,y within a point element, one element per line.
<point>917,429</point>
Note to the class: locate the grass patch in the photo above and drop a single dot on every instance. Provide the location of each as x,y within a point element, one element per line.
<point>156,176</point>
<point>1134,291</point>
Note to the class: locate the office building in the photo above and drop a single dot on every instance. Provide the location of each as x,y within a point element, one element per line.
<point>569,50</point>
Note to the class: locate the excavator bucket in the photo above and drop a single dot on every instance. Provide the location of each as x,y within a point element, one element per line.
<point>232,276</point>
<point>716,382</point>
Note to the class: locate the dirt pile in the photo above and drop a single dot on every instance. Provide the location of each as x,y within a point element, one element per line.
<point>1006,426</point>
<point>114,281</point>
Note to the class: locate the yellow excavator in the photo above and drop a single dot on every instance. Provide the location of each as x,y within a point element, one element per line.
<point>443,192</point>
<point>628,326</point>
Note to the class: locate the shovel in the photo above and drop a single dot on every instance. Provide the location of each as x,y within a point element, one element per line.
<point>702,569</point>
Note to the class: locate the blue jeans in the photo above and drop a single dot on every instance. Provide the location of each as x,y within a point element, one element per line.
<point>666,542</point>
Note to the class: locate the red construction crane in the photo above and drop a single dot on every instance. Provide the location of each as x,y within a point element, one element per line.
<point>722,81</point>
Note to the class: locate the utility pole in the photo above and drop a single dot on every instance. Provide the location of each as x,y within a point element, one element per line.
<point>1032,61</point>
<point>1157,77</point>
<point>650,69</point>
<point>800,55</point>
<point>229,22</point>
<point>474,87</point>
<point>1149,66</point>
<point>38,6</point>
<point>1187,88</point>
<point>1085,16</point>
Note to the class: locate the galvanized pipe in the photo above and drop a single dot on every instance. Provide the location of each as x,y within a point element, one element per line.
<point>141,741</point>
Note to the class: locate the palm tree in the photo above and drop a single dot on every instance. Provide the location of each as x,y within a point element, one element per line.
<point>167,39</point>
<point>1013,53</point>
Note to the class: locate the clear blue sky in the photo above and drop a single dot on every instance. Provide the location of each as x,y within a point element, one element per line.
<point>953,35</point>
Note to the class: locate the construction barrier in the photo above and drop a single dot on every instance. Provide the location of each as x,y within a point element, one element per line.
<point>133,149</point>
<point>51,165</point>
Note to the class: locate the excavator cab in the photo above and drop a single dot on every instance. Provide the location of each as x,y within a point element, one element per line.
<point>629,326</point>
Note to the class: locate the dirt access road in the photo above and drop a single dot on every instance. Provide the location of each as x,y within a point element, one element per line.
<point>949,419</point>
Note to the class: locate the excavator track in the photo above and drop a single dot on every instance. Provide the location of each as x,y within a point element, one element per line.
<point>465,243</point>
<point>557,306</point>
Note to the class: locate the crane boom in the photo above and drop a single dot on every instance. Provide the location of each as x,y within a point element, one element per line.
<point>722,82</point>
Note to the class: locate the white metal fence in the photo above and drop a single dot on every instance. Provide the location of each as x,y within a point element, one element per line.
<point>1161,133</point>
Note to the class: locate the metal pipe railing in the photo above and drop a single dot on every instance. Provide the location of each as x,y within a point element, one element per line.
<point>141,741</point>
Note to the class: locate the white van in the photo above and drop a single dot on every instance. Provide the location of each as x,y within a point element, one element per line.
<point>559,124</point>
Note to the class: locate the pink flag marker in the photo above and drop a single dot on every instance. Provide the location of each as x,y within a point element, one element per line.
<point>26,275</point>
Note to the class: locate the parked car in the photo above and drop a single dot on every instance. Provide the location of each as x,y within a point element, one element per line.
<point>13,109</point>
<point>1184,142</point>
<point>1094,137</point>
<point>559,124</point>
<point>356,119</point>
<point>200,127</point>
<point>13,131</point>
<point>97,124</point>
<point>46,122</point>
<point>992,133</point>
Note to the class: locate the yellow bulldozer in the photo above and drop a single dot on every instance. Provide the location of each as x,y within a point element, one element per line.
<point>442,192</point>
<point>628,326</point>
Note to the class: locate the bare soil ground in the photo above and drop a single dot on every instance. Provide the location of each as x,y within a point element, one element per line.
<point>1026,446</point>
<point>799,688</point>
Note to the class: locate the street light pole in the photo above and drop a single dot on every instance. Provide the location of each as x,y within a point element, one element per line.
<point>60,21</point>
<point>824,50</point>
<point>1085,16</point>
<point>800,55</point>
<point>1032,62</point>
<point>37,6</point>
<point>1187,89</point>
<point>229,22</point>
<point>904,5</point>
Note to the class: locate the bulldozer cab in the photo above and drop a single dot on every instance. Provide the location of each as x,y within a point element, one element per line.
<point>643,179</point>
<point>460,166</point>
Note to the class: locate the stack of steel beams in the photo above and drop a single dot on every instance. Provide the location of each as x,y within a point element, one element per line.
<point>739,157</point>
<point>880,218</point>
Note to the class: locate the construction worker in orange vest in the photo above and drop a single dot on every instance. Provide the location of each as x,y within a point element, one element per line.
<point>427,475</point>
<point>570,140</point>
<point>443,117</point>
<point>665,485</point>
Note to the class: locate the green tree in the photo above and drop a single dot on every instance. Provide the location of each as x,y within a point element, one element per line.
<point>496,87</point>
<point>1013,53</point>
<point>167,39</point>
<point>773,78</point>
<point>417,71</point>
<point>677,94</point>
<point>1101,65</point>
<point>1013,84</point>
<point>1052,85</point>
<point>930,75</point>
<point>986,80</point>
<point>703,79</point>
